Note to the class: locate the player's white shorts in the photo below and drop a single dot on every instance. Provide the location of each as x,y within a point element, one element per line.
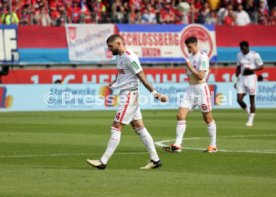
<point>129,108</point>
<point>197,95</point>
<point>247,84</point>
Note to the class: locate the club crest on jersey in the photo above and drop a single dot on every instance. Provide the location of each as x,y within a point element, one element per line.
<point>204,39</point>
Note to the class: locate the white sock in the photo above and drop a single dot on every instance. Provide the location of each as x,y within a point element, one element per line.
<point>180,130</point>
<point>212,130</point>
<point>113,142</point>
<point>148,142</point>
<point>247,110</point>
<point>251,117</point>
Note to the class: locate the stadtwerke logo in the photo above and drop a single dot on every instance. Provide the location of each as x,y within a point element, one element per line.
<point>5,100</point>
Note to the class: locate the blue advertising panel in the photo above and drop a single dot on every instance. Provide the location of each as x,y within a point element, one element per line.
<point>61,97</point>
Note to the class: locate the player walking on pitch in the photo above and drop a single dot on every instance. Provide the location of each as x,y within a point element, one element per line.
<point>196,94</point>
<point>247,63</point>
<point>127,81</point>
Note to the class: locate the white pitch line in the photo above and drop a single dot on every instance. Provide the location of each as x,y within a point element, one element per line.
<point>162,143</point>
<point>64,155</point>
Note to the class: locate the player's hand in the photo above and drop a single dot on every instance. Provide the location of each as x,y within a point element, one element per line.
<point>109,87</point>
<point>161,97</point>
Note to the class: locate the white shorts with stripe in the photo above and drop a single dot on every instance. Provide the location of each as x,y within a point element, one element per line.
<point>129,108</point>
<point>197,95</point>
<point>247,84</point>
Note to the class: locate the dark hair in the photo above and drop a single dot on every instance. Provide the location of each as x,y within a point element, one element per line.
<point>113,37</point>
<point>191,39</point>
<point>244,44</point>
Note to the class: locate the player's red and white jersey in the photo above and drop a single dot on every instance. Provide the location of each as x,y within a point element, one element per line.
<point>128,66</point>
<point>250,60</point>
<point>200,61</point>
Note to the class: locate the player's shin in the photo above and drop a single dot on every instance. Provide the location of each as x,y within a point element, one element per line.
<point>148,142</point>
<point>212,130</point>
<point>180,130</point>
<point>113,143</point>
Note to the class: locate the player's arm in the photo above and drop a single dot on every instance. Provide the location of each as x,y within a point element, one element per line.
<point>141,76</point>
<point>259,62</point>
<point>199,74</point>
<point>111,83</point>
<point>238,71</point>
<point>136,67</point>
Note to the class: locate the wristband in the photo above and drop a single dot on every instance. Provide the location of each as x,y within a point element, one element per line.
<point>153,93</point>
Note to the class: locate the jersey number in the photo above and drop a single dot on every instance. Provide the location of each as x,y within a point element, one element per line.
<point>204,107</point>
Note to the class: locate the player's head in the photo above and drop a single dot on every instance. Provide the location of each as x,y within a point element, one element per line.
<point>244,46</point>
<point>115,44</point>
<point>191,44</point>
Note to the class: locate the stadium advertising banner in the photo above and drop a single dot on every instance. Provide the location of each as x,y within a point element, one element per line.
<point>166,43</point>
<point>8,44</point>
<point>154,75</point>
<point>97,97</point>
<point>87,43</point>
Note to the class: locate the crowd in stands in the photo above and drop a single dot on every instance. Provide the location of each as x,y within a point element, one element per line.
<point>59,12</point>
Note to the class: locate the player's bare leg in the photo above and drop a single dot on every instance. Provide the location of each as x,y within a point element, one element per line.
<point>212,130</point>
<point>180,130</point>
<point>147,140</point>
<point>243,105</point>
<point>112,145</point>
<point>252,111</point>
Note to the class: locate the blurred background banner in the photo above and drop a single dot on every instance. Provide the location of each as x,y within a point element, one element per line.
<point>8,44</point>
<point>87,43</point>
<point>166,43</point>
<point>106,75</point>
<point>60,97</point>
<point>152,43</point>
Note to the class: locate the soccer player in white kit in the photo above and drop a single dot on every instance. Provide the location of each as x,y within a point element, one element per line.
<point>196,94</point>
<point>129,74</point>
<point>247,63</point>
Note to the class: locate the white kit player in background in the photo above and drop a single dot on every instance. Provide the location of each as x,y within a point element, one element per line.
<point>129,74</point>
<point>196,94</point>
<point>247,63</point>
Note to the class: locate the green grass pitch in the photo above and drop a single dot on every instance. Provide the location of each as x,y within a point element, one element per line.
<point>44,153</point>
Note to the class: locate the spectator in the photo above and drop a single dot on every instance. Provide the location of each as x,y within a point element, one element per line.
<point>149,17</point>
<point>167,14</point>
<point>250,8</point>
<point>42,17</point>
<point>204,13</point>
<point>184,9</point>
<point>118,12</point>
<point>272,19</point>
<point>10,18</point>
<point>134,16</point>
<point>75,12</point>
<point>242,17</point>
<point>26,15</point>
<point>212,19</point>
<point>228,16</point>
<point>158,6</point>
